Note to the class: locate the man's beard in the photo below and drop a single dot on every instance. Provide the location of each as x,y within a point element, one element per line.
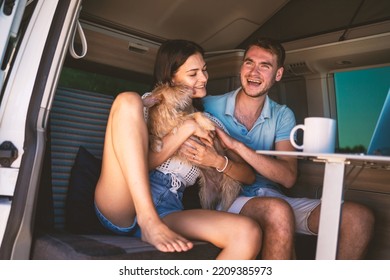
<point>257,94</point>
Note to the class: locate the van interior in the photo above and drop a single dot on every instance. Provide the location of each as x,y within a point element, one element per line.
<point>337,66</point>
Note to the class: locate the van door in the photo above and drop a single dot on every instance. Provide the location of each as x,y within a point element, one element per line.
<point>29,82</point>
<point>10,17</point>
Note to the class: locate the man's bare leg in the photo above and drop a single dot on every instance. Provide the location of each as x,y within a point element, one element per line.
<point>277,221</point>
<point>123,190</point>
<point>356,230</point>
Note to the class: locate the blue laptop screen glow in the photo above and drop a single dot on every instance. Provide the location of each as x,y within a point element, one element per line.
<point>380,141</point>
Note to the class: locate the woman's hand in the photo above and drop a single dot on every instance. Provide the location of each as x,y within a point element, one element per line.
<point>201,154</point>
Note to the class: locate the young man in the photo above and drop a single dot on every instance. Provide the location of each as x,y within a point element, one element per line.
<point>255,122</point>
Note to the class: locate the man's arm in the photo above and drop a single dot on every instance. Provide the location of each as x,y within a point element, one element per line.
<point>282,170</point>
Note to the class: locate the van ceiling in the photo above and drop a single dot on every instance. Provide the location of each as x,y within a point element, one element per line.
<point>320,36</point>
<point>210,23</point>
<point>307,18</point>
<point>228,24</point>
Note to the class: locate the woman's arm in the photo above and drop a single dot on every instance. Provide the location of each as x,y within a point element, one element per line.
<point>172,142</point>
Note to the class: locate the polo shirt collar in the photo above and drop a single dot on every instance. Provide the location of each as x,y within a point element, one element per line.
<point>231,103</point>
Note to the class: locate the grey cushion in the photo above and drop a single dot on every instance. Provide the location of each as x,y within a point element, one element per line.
<point>65,246</point>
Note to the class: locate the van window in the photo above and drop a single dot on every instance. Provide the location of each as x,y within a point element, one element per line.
<point>360,95</point>
<point>99,83</point>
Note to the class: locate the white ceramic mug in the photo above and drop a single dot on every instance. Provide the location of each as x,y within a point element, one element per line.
<point>319,135</point>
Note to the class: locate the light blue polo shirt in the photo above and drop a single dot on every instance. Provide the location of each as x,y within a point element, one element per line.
<point>273,125</point>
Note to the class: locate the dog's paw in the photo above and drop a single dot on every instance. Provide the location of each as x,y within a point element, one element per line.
<point>156,144</point>
<point>204,121</point>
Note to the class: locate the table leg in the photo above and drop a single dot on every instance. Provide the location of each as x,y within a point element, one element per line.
<point>330,210</point>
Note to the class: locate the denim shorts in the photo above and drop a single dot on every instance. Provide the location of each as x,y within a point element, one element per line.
<point>133,230</point>
<point>165,201</point>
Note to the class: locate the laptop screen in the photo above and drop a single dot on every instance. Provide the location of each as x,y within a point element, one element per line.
<point>380,141</point>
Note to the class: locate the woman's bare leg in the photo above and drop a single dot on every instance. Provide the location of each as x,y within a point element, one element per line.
<point>238,236</point>
<point>123,190</point>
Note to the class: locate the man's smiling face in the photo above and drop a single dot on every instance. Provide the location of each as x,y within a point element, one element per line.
<point>259,71</point>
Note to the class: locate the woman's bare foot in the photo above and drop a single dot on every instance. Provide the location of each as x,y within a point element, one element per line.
<point>159,235</point>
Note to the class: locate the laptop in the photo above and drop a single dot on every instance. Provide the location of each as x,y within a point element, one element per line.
<point>380,141</point>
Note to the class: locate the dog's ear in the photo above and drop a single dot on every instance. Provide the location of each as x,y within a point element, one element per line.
<point>151,100</point>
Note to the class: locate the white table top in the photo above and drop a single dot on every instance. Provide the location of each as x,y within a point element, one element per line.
<point>368,159</point>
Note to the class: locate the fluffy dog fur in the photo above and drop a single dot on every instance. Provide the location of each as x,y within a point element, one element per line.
<point>169,106</point>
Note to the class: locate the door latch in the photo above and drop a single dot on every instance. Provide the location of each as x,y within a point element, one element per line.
<point>8,7</point>
<point>8,153</point>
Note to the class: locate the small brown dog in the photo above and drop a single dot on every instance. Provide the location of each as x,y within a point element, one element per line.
<point>169,106</point>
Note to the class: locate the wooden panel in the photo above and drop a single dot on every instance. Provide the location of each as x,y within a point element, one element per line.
<point>370,179</point>
<point>311,174</point>
<point>113,50</point>
<point>309,181</point>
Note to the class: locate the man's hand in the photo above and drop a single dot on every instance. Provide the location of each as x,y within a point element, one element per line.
<point>227,141</point>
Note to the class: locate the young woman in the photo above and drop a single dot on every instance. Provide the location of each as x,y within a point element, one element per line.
<point>123,199</point>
